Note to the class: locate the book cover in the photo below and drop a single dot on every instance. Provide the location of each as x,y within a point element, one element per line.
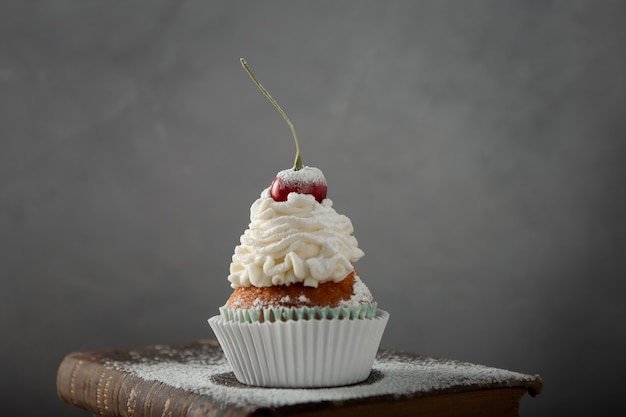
<point>196,380</point>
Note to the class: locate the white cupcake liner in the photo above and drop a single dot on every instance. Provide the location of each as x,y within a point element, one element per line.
<point>357,311</point>
<point>301,353</point>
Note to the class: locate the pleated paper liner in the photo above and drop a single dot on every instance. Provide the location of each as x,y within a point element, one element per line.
<point>301,353</point>
<point>357,311</point>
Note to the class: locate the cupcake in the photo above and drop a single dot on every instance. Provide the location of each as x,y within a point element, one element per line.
<point>299,314</point>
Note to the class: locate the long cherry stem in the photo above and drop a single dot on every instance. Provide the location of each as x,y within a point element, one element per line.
<point>298,162</point>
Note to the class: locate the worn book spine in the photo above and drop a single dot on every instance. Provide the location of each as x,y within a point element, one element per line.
<point>93,385</point>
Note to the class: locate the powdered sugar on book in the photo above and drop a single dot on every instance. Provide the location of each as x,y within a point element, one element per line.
<point>206,372</point>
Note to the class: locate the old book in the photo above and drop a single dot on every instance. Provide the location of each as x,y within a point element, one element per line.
<point>196,380</point>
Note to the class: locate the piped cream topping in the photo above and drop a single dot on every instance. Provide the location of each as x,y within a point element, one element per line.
<point>298,240</point>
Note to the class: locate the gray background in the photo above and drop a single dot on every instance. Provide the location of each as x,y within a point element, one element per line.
<point>476,146</point>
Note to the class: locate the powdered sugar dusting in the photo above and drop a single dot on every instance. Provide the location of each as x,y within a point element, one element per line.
<point>308,175</point>
<point>360,294</point>
<point>203,372</point>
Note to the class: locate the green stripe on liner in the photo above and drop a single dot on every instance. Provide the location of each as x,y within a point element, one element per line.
<point>243,315</point>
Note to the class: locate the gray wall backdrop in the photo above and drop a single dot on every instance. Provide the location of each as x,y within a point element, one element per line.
<point>477,146</point>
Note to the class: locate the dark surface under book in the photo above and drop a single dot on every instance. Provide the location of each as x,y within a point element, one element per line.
<point>196,380</point>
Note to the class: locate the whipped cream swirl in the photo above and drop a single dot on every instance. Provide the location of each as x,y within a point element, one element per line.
<point>298,240</point>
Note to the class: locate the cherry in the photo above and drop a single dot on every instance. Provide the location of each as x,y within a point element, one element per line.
<point>307,180</point>
<point>299,179</point>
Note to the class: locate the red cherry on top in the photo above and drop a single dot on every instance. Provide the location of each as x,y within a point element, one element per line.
<point>306,180</point>
<point>299,179</point>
